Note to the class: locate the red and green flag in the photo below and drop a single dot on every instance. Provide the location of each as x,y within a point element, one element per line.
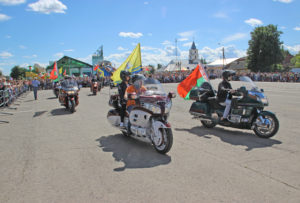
<point>195,79</point>
<point>54,73</point>
<point>96,67</point>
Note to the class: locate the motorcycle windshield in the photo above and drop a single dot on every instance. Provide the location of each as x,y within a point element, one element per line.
<point>153,87</point>
<point>248,83</point>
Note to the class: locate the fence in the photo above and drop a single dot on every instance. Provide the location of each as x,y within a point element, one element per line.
<point>8,96</point>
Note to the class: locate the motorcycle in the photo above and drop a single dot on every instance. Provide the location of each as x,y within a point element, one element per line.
<point>94,87</point>
<point>148,121</point>
<point>247,109</point>
<point>69,95</point>
<point>56,89</point>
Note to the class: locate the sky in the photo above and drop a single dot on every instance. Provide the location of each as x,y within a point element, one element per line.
<point>39,31</point>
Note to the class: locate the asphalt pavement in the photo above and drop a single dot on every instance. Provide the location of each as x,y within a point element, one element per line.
<point>50,155</point>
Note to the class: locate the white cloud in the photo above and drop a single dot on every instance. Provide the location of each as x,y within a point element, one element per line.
<point>48,6</point>
<point>166,42</point>
<point>11,2</point>
<point>130,34</point>
<point>7,36</point>
<point>188,44</point>
<point>293,49</point>
<point>69,50</point>
<point>87,59</point>
<point>187,34</point>
<point>121,48</point>
<point>183,39</point>
<point>22,47</point>
<point>220,15</point>
<point>253,22</point>
<point>284,1</point>
<point>146,2</point>
<point>282,27</point>
<point>4,17</point>
<point>5,54</point>
<point>297,28</point>
<point>58,55</point>
<point>235,37</point>
<point>213,54</point>
<point>30,57</point>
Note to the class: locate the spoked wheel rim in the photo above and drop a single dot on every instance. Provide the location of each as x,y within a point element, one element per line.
<point>160,139</point>
<point>268,127</point>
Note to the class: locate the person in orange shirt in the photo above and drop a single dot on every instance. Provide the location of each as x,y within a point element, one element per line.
<point>136,88</point>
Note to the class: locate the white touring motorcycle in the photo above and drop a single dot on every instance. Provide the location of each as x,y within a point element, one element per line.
<point>148,120</point>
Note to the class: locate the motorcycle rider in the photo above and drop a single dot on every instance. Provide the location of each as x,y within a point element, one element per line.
<point>225,92</point>
<point>125,77</point>
<point>137,88</point>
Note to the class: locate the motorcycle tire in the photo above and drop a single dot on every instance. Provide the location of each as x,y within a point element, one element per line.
<point>208,124</point>
<point>72,107</point>
<point>260,134</point>
<point>95,92</point>
<point>168,144</point>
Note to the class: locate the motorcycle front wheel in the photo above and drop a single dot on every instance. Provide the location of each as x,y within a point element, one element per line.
<point>164,142</point>
<point>72,107</point>
<point>208,124</point>
<point>269,129</point>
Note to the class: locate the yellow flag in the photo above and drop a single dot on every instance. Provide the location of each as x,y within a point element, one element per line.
<point>132,64</point>
<point>60,70</point>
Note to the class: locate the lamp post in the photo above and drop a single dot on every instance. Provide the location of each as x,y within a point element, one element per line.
<point>223,54</point>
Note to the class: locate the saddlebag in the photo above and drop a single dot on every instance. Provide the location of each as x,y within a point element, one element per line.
<point>199,107</point>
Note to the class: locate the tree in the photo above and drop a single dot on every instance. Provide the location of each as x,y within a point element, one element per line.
<point>264,49</point>
<point>1,73</point>
<point>203,61</point>
<point>296,60</point>
<point>17,72</point>
<point>159,66</point>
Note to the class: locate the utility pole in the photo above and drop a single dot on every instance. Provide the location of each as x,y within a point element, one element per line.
<point>176,53</point>
<point>223,57</point>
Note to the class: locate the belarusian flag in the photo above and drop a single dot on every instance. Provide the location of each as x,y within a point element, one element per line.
<point>195,79</point>
<point>54,74</point>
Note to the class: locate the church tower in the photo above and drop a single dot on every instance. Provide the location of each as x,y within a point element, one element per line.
<point>193,54</point>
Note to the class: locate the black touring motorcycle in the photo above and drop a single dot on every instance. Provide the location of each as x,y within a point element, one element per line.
<point>247,109</point>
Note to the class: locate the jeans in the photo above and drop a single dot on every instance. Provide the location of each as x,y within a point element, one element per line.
<point>227,108</point>
<point>35,89</point>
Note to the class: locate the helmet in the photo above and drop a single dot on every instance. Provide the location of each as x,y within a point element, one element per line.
<point>227,73</point>
<point>124,74</point>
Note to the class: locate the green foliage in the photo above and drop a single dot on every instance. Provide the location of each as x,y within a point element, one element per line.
<point>264,49</point>
<point>296,60</point>
<point>203,61</point>
<point>159,66</point>
<point>17,72</point>
<point>1,73</point>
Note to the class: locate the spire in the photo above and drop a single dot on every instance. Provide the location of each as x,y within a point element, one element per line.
<point>193,46</point>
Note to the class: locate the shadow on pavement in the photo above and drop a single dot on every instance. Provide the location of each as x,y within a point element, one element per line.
<point>234,137</point>
<point>133,153</point>
<point>60,111</point>
<point>39,113</point>
<point>91,95</point>
<point>29,100</point>
<point>52,98</point>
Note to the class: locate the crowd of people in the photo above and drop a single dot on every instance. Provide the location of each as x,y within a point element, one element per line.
<point>175,76</point>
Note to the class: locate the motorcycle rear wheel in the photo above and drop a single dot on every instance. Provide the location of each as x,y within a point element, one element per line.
<point>167,142</point>
<point>208,124</point>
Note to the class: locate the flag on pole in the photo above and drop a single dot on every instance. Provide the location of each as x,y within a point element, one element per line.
<point>133,64</point>
<point>195,79</point>
<point>96,67</point>
<point>53,74</point>
<point>65,72</point>
<point>60,70</point>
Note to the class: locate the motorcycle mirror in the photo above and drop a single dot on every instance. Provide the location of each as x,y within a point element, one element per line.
<point>172,95</point>
<point>262,90</point>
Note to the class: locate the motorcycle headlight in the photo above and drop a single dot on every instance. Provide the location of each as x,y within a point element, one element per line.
<point>263,100</point>
<point>70,92</point>
<point>155,109</point>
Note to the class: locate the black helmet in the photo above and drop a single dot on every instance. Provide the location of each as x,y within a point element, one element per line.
<point>67,77</point>
<point>124,74</point>
<point>227,73</point>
